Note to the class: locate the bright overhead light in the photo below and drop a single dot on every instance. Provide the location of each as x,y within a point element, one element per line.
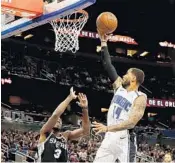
<point>98,49</point>
<point>144,54</point>
<point>131,52</point>
<point>28,36</point>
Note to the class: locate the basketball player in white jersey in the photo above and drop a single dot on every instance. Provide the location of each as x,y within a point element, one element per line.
<point>126,109</point>
<point>52,145</point>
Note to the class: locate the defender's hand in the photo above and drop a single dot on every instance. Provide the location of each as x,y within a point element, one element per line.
<point>99,127</point>
<point>72,93</point>
<point>83,102</point>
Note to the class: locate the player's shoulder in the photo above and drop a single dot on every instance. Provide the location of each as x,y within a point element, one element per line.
<point>44,136</point>
<point>144,95</point>
<point>141,97</point>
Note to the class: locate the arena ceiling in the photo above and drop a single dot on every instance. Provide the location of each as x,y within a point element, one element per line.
<point>148,22</point>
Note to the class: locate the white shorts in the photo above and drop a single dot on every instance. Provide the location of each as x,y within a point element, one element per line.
<point>122,148</point>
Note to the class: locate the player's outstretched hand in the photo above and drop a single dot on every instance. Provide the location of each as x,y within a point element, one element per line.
<point>83,101</point>
<point>103,37</point>
<point>99,127</point>
<point>72,93</point>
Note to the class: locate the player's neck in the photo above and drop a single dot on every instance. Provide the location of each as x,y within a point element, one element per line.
<point>132,88</point>
<point>56,131</point>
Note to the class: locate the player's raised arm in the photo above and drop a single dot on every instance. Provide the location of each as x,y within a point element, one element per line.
<point>106,62</point>
<point>48,126</point>
<point>85,129</point>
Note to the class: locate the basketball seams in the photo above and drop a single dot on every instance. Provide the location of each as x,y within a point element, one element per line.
<point>107,22</point>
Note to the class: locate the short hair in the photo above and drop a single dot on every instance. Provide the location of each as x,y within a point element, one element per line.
<point>140,75</point>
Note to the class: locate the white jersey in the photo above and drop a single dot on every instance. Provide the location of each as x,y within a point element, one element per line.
<point>120,106</point>
<point>119,145</point>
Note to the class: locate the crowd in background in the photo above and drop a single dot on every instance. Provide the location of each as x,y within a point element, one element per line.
<point>68,71</point>
<point>82,150</point>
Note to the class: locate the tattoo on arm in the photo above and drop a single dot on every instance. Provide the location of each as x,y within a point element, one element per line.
<point>136,114</point>
<point>138,109</point>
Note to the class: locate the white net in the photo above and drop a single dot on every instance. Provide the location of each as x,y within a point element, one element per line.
<point>67,30</point>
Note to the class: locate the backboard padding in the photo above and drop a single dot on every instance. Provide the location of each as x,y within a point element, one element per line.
<point>51,12</point>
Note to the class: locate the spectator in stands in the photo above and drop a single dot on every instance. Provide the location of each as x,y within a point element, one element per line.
<point>2,157</point>
<point>83,155</point>
<point>82,150</point>
<point>167,157</point>
<point>73,157</point>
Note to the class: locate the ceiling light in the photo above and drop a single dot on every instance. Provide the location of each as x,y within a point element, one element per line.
<point>144,54</point>
<point>98,49</point>
<point>131,52</point>
<point>28,36</point>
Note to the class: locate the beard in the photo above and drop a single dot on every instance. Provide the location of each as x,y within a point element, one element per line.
<point>126,84</point>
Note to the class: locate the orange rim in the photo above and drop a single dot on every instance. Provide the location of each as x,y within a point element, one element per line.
<point>83,12</point>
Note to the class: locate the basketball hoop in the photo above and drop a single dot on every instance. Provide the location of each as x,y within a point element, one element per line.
<point>67,30</point>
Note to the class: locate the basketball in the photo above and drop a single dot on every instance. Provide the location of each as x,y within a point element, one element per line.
<point>107,22</point>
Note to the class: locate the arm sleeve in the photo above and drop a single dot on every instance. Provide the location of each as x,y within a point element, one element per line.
<point>107,65</point>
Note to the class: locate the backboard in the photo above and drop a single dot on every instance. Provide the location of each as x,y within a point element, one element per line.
<point>32,17</point>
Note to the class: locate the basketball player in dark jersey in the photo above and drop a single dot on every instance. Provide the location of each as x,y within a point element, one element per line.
<point>52,145</point>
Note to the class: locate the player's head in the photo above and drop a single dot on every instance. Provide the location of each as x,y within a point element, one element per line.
<point>134,76</point>
<point>58,124</point>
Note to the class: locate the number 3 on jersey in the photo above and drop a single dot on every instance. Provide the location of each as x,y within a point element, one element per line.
<point>117,111</point>
<point>57,153</point>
